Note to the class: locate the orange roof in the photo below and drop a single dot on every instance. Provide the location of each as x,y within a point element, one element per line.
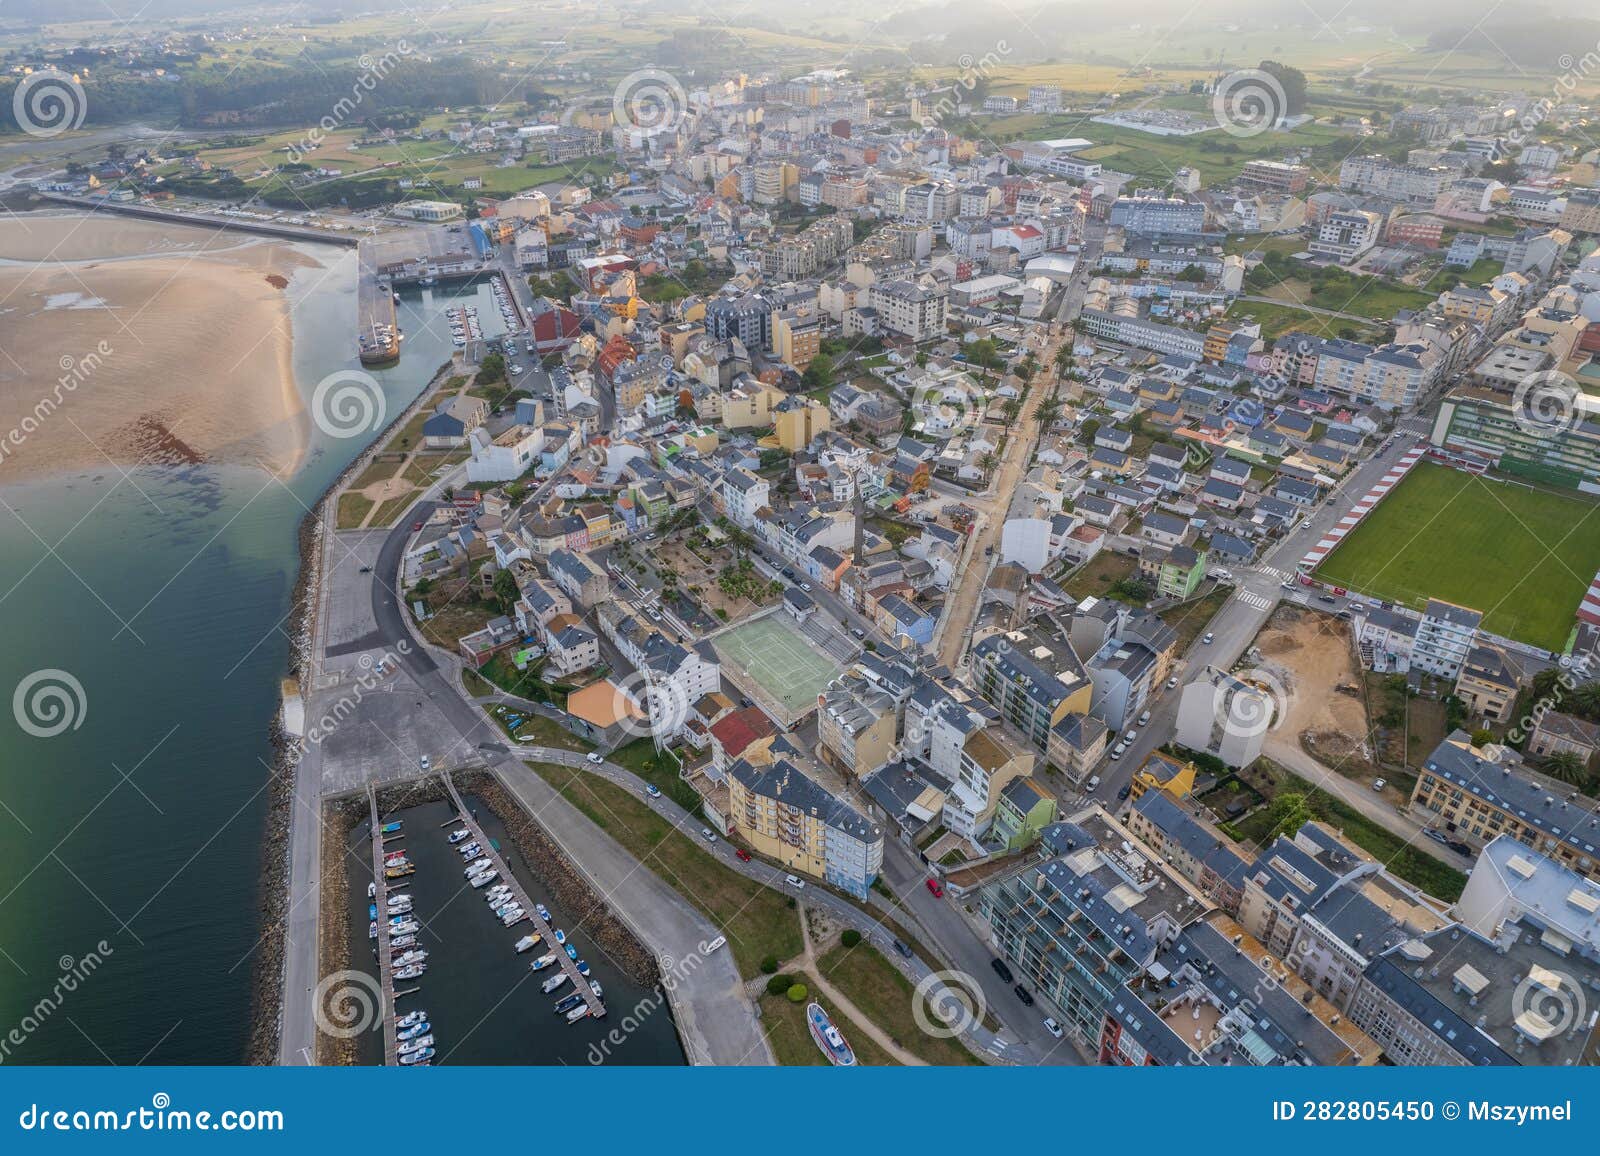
<point>738,730</point>
<point>602,704</point>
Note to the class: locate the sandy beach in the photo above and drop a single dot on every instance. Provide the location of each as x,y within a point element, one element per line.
<point>130,343</point>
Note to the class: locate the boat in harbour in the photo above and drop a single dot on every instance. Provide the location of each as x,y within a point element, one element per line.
<point>421,1027</point>
<point>577,1013</point>
<point>413,972</point>
<point>527,943</point>
<point>828,1037</point>
<point>421,1057</point>
<point>554,982</point>
<point>411,1019</point>
<point>544,912</point>
<point>372,930</point>
<point>399,872</point>
<point>459,834</point>
<point>485,879</point>
<point>415,1045</point>
<point>561,936</point>
<point>572,952</point>
<point>515,915</point>
<point>543,961</point>
<point>594,986</point>
<point>372,889</point>
<point>583,968</point>
<point>407,940</point>
<point>567,1002</point>
<point>477,865</point>
<point>391,828</point>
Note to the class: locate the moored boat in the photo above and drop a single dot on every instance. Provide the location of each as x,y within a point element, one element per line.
<point>527,943</point>
<point>421,1057</point>
<point>572,952</point>
<point>413,972</point>
<point>411,1019</point>
<point>554,982</point>
<point>415,1045</point>
<point>577,1013</point>
<point>543,961</point>
<point>583,968</point>
<point>567,1002</point>
<point>391,828</point>
<point>459,834</point>
<point>828,1037</point>
<point>485,879</point>
<point>372,889</point>
<point>372,930</point>
<point>561,936</point>
<point>421,1027</point>
<point>477,865</point>
<point>544,912</point>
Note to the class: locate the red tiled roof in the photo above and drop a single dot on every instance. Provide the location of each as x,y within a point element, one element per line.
<point>736,731</point>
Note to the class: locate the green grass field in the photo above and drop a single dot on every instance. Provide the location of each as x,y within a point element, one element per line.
<point>783,662</point>
<point>1523,557</point>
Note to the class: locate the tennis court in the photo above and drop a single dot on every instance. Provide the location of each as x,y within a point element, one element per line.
<point>786,667</point>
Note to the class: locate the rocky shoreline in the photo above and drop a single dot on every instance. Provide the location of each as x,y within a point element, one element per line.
<point>305,598</point>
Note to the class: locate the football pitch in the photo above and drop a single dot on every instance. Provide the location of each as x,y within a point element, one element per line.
<point>777,657</point>
<point>1523,557</point>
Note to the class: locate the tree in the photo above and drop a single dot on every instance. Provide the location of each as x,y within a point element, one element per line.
<point>1063,360</point>
<point>1482,737</point>
<point>819,373</point>
<point>779,984</point>
<point>1289,812</point>
<point>1586,700</point>
<point>850,938</point>
<point>505,591</point>
<point>770,964</point>
<point>987,463</point>
<point>1568,767</point>
<point>798,993</point>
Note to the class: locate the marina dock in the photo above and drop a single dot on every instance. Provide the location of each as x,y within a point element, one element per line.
<point>580,982</point>
<point>391,1044</point>
<point>377,328</point>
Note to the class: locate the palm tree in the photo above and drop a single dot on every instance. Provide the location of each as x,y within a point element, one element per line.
<point>1063,360</point>
<point>987,463</point>
<point>1568,767</point>
<point>1586,700</point>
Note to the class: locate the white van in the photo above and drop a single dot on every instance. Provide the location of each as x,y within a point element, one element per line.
<point>794,881</point>
<point>1116,751</point>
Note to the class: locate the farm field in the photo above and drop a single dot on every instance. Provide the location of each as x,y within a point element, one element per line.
<point>1523,557</point>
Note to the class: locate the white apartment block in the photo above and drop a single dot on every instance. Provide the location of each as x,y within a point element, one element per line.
<point>1444,638</point>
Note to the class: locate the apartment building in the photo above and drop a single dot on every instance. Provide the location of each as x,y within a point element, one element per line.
<point>857,724</point>
<point>908,309</point>
<point>1401,182</point>
<point>1225,716</point>
<point>1486,422</point>
<point>1345,236</point>
<point>1445,637</point>
<point>787,817</point>
<point>742,494</point>
<point>1275,177</point>
<point>1033,679</point>
<point>579,578</point>
<point>1479,793</point>
<point>1090,919</point>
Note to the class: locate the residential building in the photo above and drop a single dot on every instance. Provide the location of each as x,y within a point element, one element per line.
<point>1034,679</point>
<point>787,817</point>
<point>1488,684</point>
<point>1445,637</point>
<point>1223,715</point>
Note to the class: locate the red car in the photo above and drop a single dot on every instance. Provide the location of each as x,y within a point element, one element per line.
<point>744,856</point>
<point>936,887</point>
<point>416,525</point>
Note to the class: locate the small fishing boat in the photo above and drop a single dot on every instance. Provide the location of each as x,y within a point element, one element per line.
<point>594,986</point>
<point>399,872</point>
<point>411,1019</point>
<point>577,1013</point>
<point>583,968</point>
<point>421,1027</point>
<point>828,1037</point>
<point>415,1045</point>
<point>372,930</point>
<point>554,982</point>
<point>413,972</point>
<point>527,943</point>
<point>402,917</point>
<point>421,1057</point>
<point>396,853</point>
<point>509,905</point>
<point>470,850</point>
<point>543,961</point>
<point>544,912</point>
<point>477,865</point>
<point>459,834</point>
<point>561,936</point>
<point>515,915</point>
<point>572,952</point>
<point>485,879</point>
<point>567,1002</point>
<point>391,828</point>
<point>372,889</point>
<point>372,911</point>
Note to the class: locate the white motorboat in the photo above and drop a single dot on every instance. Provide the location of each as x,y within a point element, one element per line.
<point>553,982</point>
<point>577,1013</point>
<point>412,1031</point>
<point>485,879</point>
<point>477,865</point>
<point>421,1057</point>
<point>415,1045</point>
<point>515,915</point>
<point>411,1019</point>
<point>543,961</point>
<point>459,834</point>
<point>526,943</point>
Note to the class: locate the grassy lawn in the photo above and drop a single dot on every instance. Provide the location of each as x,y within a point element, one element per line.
<point>658,769</point>
<point>376,472</point>
<point>1100,573</point>
<point>545,732</point>
<point>757,921</point>
<point>1523,557</point>
<point>879,991</point>
<point>353,508</point>
<point>1190,619</point>
<point>785,1026</point>
<point>391,510</point>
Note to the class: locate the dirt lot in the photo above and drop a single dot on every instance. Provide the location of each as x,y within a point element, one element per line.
<point>1310,654</point>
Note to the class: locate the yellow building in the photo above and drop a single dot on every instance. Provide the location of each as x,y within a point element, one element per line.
<point>798,420</point>
<point>1162,772</point>
<point>786,817</point>
<point>749,406</point>
<point>796,338</point>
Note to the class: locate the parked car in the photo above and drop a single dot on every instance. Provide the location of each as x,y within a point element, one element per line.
<point>1002,970</point>
<point>1052,1027</point>
<point>858,632</point>
<point>595,757</point>
<point>1024,995</point>
<point>1437,836</point>
<point>1328,598</point>
<point>1379,784</point>
<point>708,835</point>
<point>1124,792</point>
<point>1132,734</point>
<point>423,762</point>
<point>1172,682</point>
<point>1208,636</point>
<point>742,855</point>
<point>652,790</point>
<point>1460,848</point>
<point>1116,751</point>
<point>902,949</point>
<point>935,888</point>
<point>794,881</point>
<point>1144,718</point>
